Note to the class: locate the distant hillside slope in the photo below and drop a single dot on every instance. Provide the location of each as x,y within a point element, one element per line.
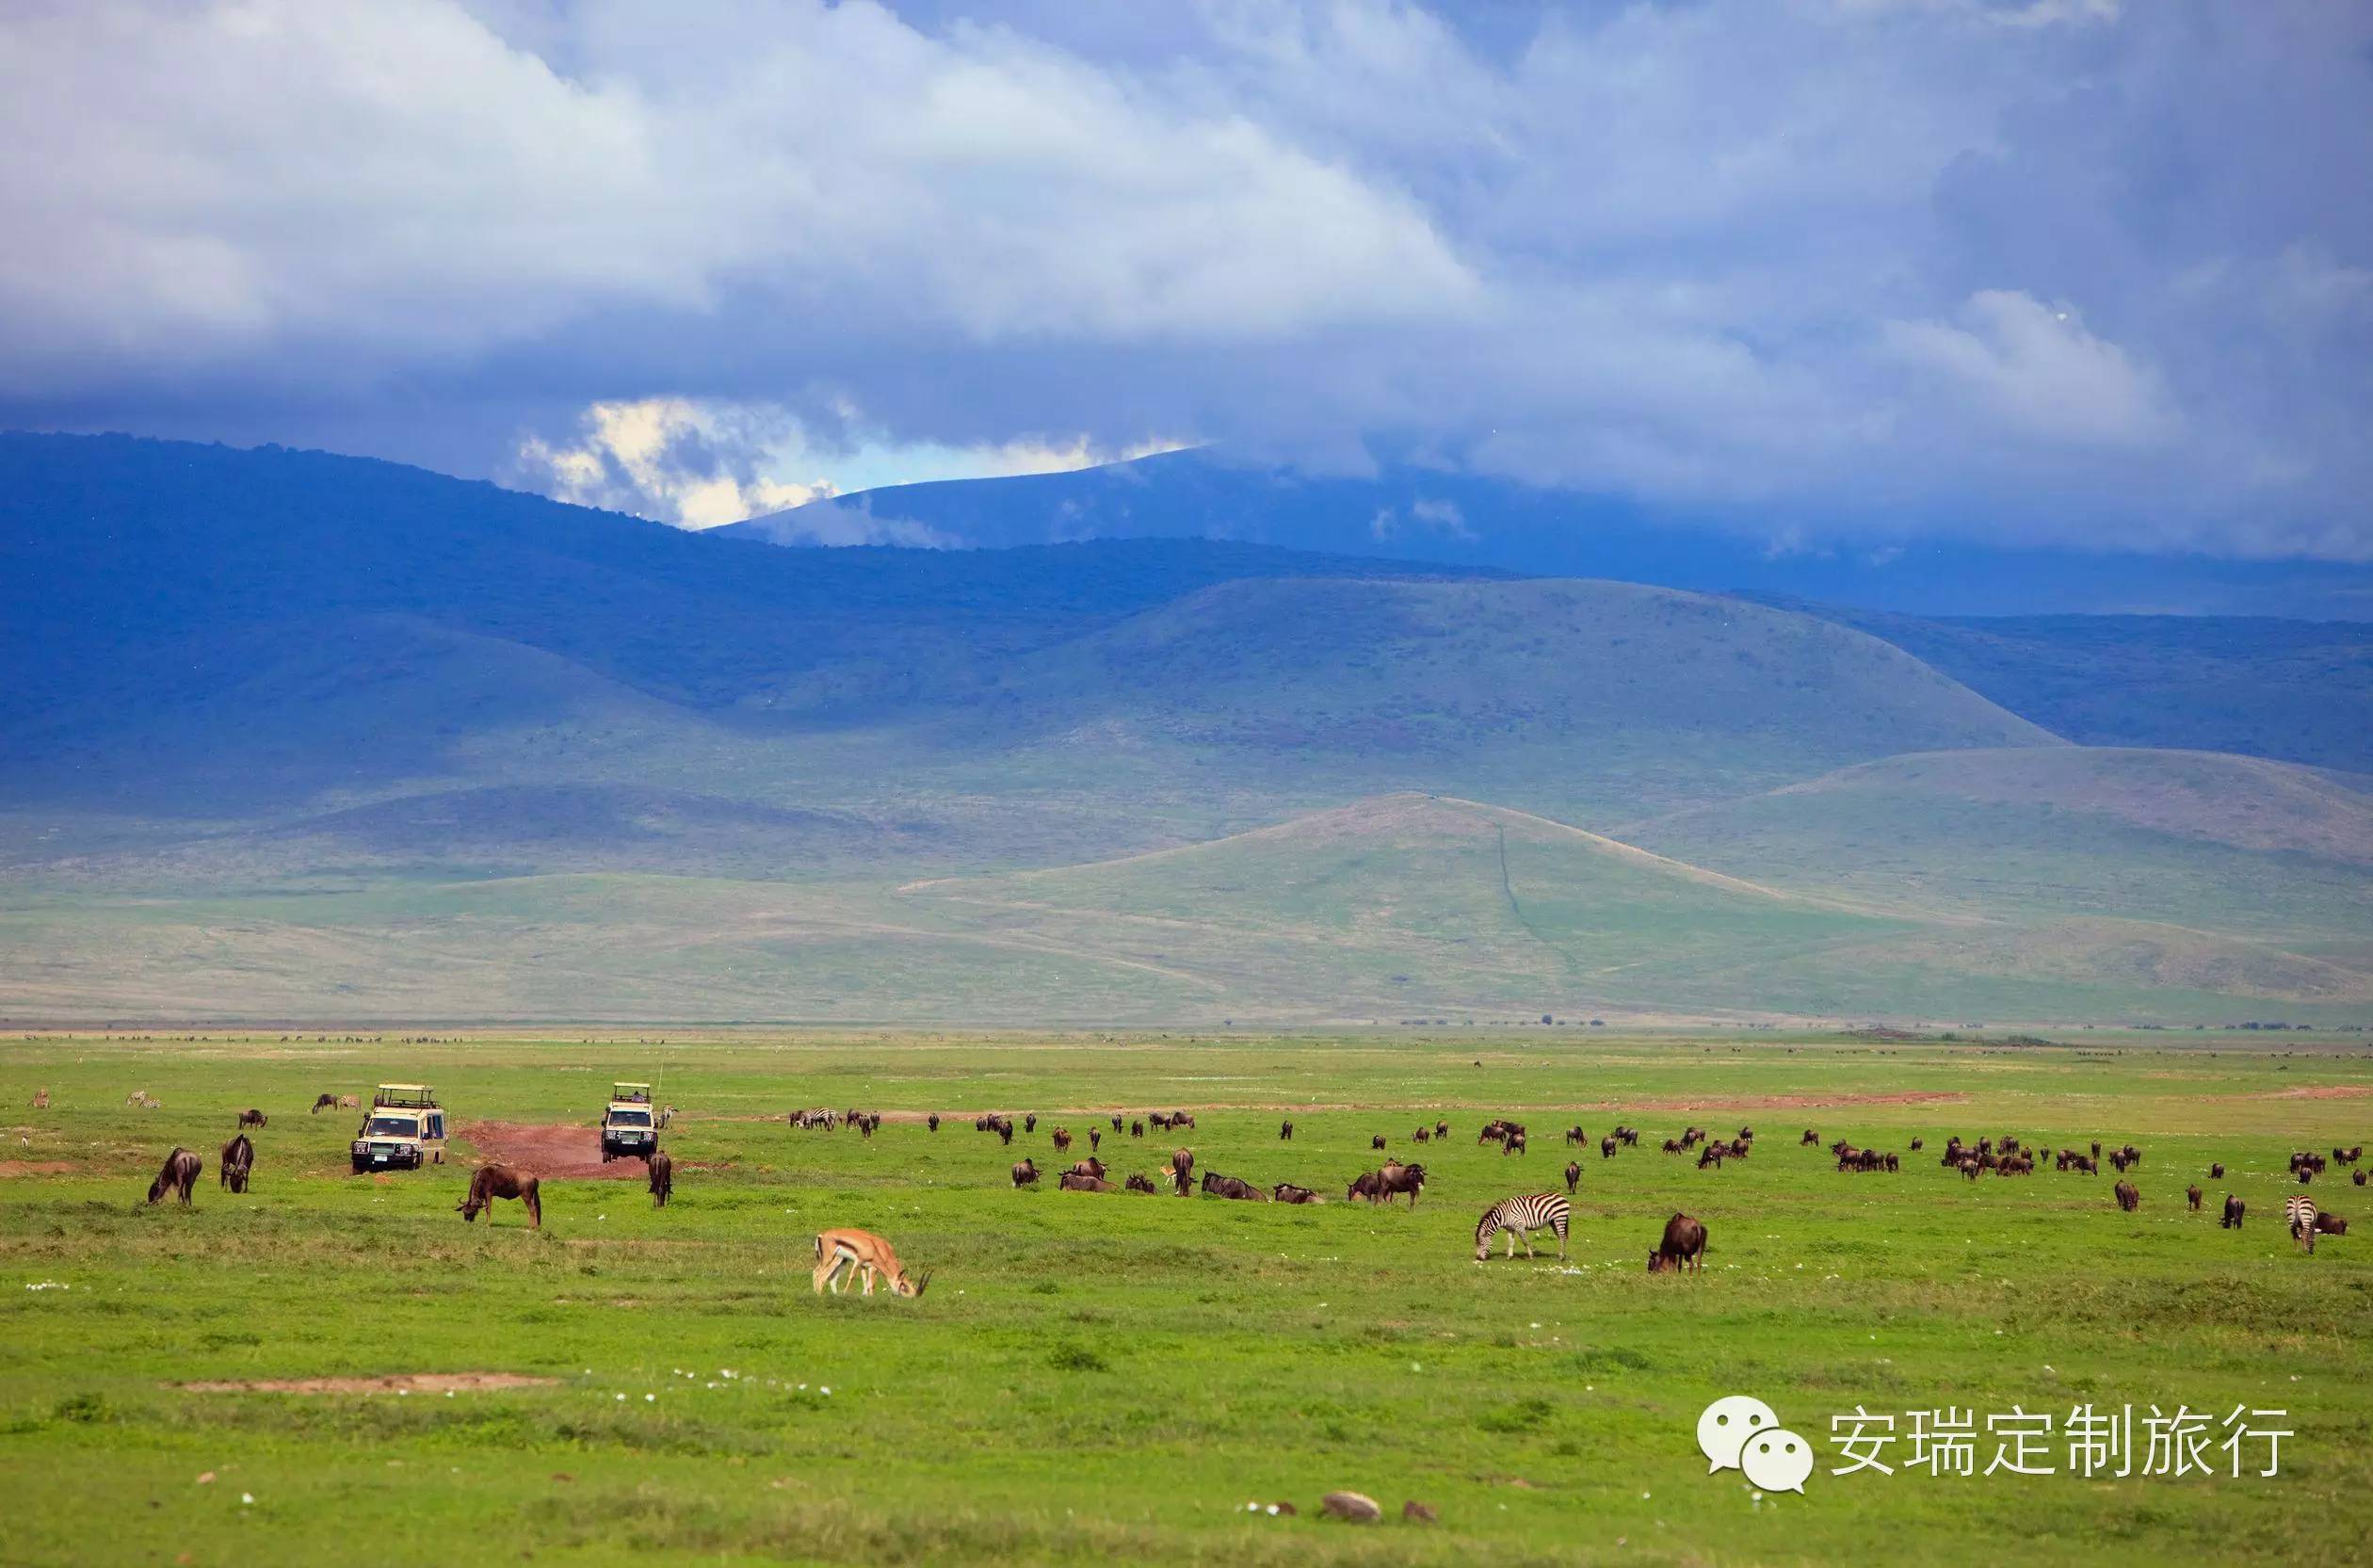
<point>1408,511</point>
<point>2298,691</point>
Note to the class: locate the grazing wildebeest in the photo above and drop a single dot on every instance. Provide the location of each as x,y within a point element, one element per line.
<point>1422,1135</point>
<point>2234,1209</point>
<point>1810,1136</point>
<point>1682,1246</point>
<point>1183,1161</point>
<point>1573,1176</point>
<point>322,1103</point>
<point>1576,1134</point>
<point>1377,1142</point>
<point>1285,1132</point>
<point>1079,1181</point>
<point>1397,1178</point>
<point>662,1173</point>
<point>1442,1130</point>
<point>841,1253</point>
<point>1116,1121</point>
<point>2330,1224</point>
<point>932,1121</point>
<point>1025,1172</point>
<point>2216,1173</point>
<point>1095,1138</point>
<point>238,1160</point>
<point>2191,1196</point>
<point>2129,1196</point>
<point>1287,1192</point>
<point>1918,1144</point>
<point>490,1182</point>
<point>1137,1128</point>
<point>181,1173</point>
<point>2357,1177</point>
<point>1606,1148</point>
<point>1062,1140</point>
<point>1513,1143</point>
<point>1030,1122</point>
<point>250,1118</point>
<point>1140,1183</point>
<point>1232,1188</point>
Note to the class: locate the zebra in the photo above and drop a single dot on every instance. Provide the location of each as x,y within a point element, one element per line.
<point>2301,1212</point>
<point>1538,1211</point>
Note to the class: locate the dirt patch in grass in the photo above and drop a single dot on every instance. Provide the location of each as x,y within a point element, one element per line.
<point>554,1151</point>
<point>2319,1091</point>
<point>36,1167</point>
<point>386,1382</point>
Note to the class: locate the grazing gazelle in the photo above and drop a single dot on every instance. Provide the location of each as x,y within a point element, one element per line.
<point>839,1253</point>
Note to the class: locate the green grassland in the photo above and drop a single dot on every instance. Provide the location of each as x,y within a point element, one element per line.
<point>1098,1379</point>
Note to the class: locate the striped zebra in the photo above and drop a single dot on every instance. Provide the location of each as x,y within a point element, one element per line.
<point>2301,1212</point>
<point>1538,1211</point>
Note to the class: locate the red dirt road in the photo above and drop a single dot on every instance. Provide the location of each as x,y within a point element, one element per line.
<point>554,1151</point>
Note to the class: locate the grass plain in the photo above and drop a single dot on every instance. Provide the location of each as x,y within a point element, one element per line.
<point>1104,1379</point>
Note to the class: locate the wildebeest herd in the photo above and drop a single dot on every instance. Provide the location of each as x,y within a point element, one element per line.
<point>1682,1246</point>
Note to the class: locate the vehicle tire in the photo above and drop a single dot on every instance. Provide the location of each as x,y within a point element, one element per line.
<point>358,1166</point>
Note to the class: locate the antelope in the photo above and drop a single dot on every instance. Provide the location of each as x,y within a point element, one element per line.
<point>841,1253</point>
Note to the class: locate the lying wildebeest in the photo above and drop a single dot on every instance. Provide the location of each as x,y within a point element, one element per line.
<point>2331,1224</point>
<point>1574,1175</point>
<point>1025,1172</point>
<point>2191,1197</point>
<point>239,1161</point>
<point>2129,1196</point>
<point>251,1118</point>
<point>1682,1246</point>
<point>322,1103</point>
<point>1091,1166</point>
<point>662,1171</point>
<point>2234,1209</point>
<point>1080,1181</point>
<point>1138,1182</point>
<point>1285,1132</point>
<point>1233,1188</point>
<point>1287,1192</point>
<point>491,1182</point>
<point>181,1173</point>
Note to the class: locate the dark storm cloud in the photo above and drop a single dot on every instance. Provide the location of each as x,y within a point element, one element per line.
<point>2059,268</point>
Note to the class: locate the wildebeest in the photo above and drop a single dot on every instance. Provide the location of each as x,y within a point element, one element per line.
<point>1422,1135</point>
<point>1233,1188</point>
<point>1377,1142</point>
<point>251,1118</point>
<point>1369,1184</point>
<point>1287,1192</point>
<point>1062,1140</point>
<point>2191,1196</point>
<point>1918,1144</point>
<point>2234,1209</point>
<point>1442,1130</point>
<point>1682,1246</point>
<point>1513,1143</point>
<point>2129,1196</point>
<point>181,1173</point>
<point>1091,1166</point>
<point>239,1161</point>
<point>2331,1224</point>
<point>1576,1134</point>
<point>931,1121</point>
<point>1397,1178</point>
<point>1079,1181</point>
<point>1574,1175</point>
<point>1030,1122</point>
<point>490,1182</point>
<point>1606,1148</point>
<point>1285,1132</point>
<point>2357,1177</point>
<point>1095,1138</point>
<point>2216,1173</point>
<point>1116,1121</point>
<point>1140,1183</point>
<point>1137,1128</point>
<point>1810,1136</point>
<point>662,1173</point>
<point>322,1103</point>
<point>1025,1172</point>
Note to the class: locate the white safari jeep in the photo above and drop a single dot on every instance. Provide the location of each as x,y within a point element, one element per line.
<point>404,1129</point>
<point>630,1127</point>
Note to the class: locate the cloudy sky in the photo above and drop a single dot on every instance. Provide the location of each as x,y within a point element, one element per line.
<point>2083,269</point>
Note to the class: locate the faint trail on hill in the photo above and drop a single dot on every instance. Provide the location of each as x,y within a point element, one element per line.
<point>1517,908</point>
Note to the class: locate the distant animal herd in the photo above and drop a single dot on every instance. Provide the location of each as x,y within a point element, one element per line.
<point>843,1255</point>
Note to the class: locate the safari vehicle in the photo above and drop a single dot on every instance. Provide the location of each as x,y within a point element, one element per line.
<point>630,1127</point>
<point>404,1129</point>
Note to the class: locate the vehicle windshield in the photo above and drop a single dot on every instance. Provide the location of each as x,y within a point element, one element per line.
<point>630,1119</point>
<point>392,1126</point>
